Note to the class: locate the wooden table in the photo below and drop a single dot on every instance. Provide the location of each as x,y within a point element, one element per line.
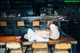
<point>4,39</point>
<point>62,39</point>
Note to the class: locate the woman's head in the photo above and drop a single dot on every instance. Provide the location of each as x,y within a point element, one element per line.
<point>49,22</point>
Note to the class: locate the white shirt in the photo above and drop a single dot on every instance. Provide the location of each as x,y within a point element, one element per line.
<point>39,36</point>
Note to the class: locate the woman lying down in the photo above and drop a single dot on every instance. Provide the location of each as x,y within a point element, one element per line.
<point>38,35</point>
<point>43,35</point>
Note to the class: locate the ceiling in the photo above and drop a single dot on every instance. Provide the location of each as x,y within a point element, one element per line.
<point>12,4</point>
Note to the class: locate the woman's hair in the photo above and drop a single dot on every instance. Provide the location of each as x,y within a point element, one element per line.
<point>49,22</point>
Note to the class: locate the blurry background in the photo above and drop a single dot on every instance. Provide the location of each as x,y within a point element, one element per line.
<point>23,8</point>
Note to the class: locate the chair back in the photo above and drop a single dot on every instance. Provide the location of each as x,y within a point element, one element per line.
<point>13,47</point>
<point>35,23</point>
<point>63,46</point>
<point>39,48</point>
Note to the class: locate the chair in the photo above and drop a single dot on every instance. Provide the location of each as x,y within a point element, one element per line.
<point>13,47</point>
<point>3,23</point>
<point>39,48</point>
<point>62,48</point>
<point>35,23</point>
<point>20,23</point>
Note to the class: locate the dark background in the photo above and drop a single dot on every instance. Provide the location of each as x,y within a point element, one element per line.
<point>69,9</point>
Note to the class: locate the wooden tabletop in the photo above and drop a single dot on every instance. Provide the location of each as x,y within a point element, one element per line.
<point>9,39</point>
<point>67,39</point>
<point>64,39</point>
<point>4,39</point>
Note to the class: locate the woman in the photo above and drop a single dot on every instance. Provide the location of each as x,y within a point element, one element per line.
<point>43,35</point>
<point>38,35</point>
<point>54,33</point>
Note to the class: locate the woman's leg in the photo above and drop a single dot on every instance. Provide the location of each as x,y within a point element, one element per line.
<point>54,36</point>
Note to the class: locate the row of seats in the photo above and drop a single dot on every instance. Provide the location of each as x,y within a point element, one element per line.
<point>21,23</point>
<point>58,48</point>
<point>14,23</point>
<point>20,30</point>
<point>15,47</point>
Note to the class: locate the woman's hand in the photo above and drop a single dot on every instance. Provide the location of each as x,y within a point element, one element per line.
<point>18,38</point>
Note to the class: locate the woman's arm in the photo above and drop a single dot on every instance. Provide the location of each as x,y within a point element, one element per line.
<point>18,37</point>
